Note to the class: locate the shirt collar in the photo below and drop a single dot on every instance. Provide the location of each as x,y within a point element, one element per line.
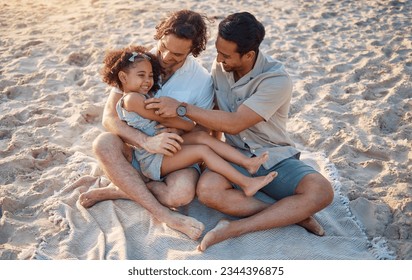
<point>256,70</point>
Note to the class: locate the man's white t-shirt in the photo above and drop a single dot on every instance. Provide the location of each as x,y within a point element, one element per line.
<point>191,83</point>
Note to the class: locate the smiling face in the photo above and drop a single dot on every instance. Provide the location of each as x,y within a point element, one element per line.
<point>227,55</point>
<point>138,78</point>
<point>231,60</point>
<point>172,51</point>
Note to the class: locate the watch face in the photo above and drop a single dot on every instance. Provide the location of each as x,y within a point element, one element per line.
<point>181,111</point>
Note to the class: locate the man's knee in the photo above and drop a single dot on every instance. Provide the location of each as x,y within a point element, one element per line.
<point>179,199</point>
<point>182,187</point>
<point>184,195</point>
<point>106,142</point>
<point>318,188</point>
<point>209,188</point>
<point>325,192</point>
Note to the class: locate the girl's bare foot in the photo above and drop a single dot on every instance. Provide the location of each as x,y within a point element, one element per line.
<point>253,184</point>
<point>253,164</point>
<point>216,235</point>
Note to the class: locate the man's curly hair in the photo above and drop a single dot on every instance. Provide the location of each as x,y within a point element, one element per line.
<point>186,24</point>
<point>118,60</point>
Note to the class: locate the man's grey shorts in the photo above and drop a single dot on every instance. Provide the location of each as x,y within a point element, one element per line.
<point>290,172</point>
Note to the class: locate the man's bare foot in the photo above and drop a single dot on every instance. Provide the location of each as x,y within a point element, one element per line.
<point>311,225</point>
<point>253,164</point>
<point>216,235</point>
<point>221,232</point>
<point>93,196</point>
<point>185,224</point>
<point>253,184</point>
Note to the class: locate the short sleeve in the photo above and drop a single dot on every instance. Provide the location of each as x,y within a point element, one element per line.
<point>206,95</point>
<point>270,97</point>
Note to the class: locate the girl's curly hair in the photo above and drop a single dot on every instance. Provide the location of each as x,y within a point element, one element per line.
<point>118,60</point>
<point>186,24</point>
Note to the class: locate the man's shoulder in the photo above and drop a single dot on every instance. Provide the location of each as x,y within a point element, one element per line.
<point>271,70</point>
<point>272,66</point>
<point>270,73</point>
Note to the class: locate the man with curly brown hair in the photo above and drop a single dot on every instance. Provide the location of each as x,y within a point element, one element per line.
<point>180,37</point>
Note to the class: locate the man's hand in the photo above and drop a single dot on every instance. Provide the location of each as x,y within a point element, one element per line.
<point>163,106</point>
<point>164,143</point>
<point>160,128</point>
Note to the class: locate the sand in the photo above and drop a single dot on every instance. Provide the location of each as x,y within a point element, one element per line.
<point>351,63</point>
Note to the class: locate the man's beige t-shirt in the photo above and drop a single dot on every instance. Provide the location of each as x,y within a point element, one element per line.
<point>267,90</point>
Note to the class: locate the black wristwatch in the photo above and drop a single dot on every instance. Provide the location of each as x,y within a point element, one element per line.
<point>181,109</point>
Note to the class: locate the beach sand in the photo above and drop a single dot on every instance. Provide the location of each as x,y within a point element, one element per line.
<point>351,63</point>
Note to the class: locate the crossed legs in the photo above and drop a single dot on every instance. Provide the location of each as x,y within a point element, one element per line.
<point>115,157</point>
<point>177,190</point>
<point>312,194</point>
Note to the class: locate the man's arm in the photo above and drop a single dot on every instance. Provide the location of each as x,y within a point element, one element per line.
<point>165,143</point>
<point>228,122</point>
<point>134,102</point>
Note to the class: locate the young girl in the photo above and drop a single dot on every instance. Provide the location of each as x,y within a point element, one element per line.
<point>137,72</point>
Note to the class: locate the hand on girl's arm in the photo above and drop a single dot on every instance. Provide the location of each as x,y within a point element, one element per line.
<point>166,143</point>
<point>162,129</point>
<point>134,102</point>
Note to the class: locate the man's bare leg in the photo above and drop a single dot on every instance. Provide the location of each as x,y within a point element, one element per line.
<point>114,157</point>
<point>178,190</point>
<point>312,195</point>
<point>93,196</point>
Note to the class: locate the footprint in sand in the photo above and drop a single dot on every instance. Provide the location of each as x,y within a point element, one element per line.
<point>47,156</point>
<point>388,122</point>
<point>21,92</point>
<point>10,121</point>
<point>39,117</point>
<point>30,44</point>
<point>8,204</point>
<point>74,75</point>
<point>91,113</point>
<point>78,58</point>
<point>46,120</point>
<point>10,169</point>
<point>5,141</point>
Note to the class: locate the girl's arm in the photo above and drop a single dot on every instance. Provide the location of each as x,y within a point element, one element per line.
<point>134,102</point>
<point>159,144</point>
<point>113,124</point>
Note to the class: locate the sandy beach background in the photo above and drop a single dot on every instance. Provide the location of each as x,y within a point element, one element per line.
<point>351,62</point>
